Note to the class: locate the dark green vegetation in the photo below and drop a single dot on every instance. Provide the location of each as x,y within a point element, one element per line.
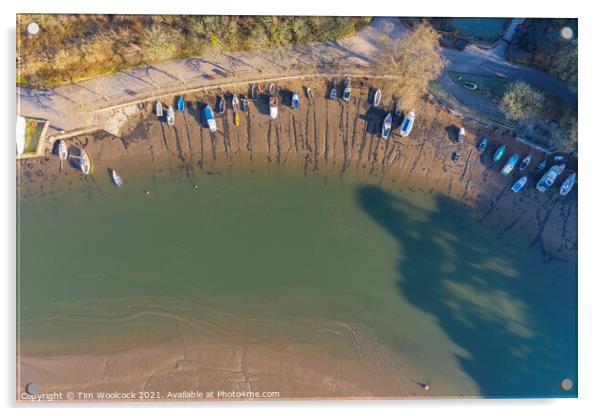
<point>490,86</point>
<point>538,42</point>
<point>75,47</point>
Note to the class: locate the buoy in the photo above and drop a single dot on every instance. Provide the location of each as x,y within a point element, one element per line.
<point>147,192</point>
<point>196,186</point>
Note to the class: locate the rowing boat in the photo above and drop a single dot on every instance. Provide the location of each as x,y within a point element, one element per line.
<point>85,164</point>
<point>525,162</point>
<point>510,164</point>
<point>63,150</point>
<point>273,107</point>
<point>235,103</point>
<point>567,185</point>
<point>377,97</point>
<point>159,109</point>
<point>499,153</point>
<point>116,178</point>
<point>519,184</point>
<point>181,103</point>
<point>244,104</point>
<point>386,130</point>
<point>170,116</point>
<point>407,124</point>
<point>210,119</point>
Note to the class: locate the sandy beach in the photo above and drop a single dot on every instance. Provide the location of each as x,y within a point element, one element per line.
<point>321,138</point>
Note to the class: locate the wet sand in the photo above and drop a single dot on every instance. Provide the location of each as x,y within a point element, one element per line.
<point>325,138</point>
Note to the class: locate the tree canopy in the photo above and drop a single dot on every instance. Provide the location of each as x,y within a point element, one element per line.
<point>521,101</point>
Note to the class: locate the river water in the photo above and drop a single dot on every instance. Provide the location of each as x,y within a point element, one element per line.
<point>467,311</point>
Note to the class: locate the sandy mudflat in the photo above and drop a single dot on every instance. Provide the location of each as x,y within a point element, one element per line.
<point>322,137</point>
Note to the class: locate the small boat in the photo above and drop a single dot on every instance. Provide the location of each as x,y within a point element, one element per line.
<point>116,178</point>
<point>525,162</point>
<point>519,184</point>
<point>63,150</point>
<point>295,101</point>
<point>260,88</point>
<point>254,93</point>
<point>221,105</point>
<point>470,85</point>
<point>159,109</point>
<point>549,177</point>
<point>510,164</point>
<point>210,119</point>
<point>567,185</point>
<point>235,103</point>
<point>482,144</point>
<point>397,109</point>
<point>377,96</point>
<point>455,156</point>
<point>309,92</point>
<point>236,119</point>
<point>171,119</point>
<point>386,131</point>
<point>333,93</point>
<point>272,89</point>
<point>244,104</point>
<point>461,135</point>
<point>558,158</point>
<point>542,165</point>
<point>347,89</point>
<point>273,107</point>
<point>181,103</point>
<point>407,124</point>
<point>85,164</point>
<point>499,153</point>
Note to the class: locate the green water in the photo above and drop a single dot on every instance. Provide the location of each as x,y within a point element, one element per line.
<point>487,29</point>
<point>456,305</point>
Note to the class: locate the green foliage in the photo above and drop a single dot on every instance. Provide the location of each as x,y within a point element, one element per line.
<point>521,101</point>
<point>564,64</point>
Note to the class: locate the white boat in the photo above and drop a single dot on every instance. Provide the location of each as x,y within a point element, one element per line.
<point>347,89</point>
<point>549,177</point>
<point>210,119</point>
<point>235,103</point>
<point>159,109</point>
<point>510,164</point>
<point>85,164</point>
<point>525,162</point>
<point>273,107</point>
<point>63,150</point>
<point>116,178</point>
<point>567,185</point>
<point>377,96</point>
<point>386,130</point>
<point>171,118</point>
<point>461,135</point>
<point>519,184</point>
<point>407,124</point>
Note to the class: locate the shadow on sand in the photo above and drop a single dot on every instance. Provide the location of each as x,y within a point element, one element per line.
<point>515,322</point>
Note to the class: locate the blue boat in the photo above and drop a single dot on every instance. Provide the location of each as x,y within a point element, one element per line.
<point>210,119</point>
<point>548,179</point>
<point>333,93</point>
<point>407,124</point>
<point>510,164</point>
<point>244,104</point>
<point>181,103</point>
<point>386,131</point>
<point>295,101</point>
<point>499,153</point>
<point>221,105</point>
<point>482,144</point>
<point>567,185</point>
<point>519,184</point>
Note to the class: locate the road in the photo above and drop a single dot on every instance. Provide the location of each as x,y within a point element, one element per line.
<point>72,106</point>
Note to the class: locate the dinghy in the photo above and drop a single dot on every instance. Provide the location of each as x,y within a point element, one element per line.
<point>85,164</point>
<point>567,185</point>
<point>407,124</point>
<point>159,109</point>
<point>333,93</point>
<point>525,162</point>
<point>171,119</point>
<point>499,153</point>
<point>397,109</point>
<point>519,184</point>
<point>235,103</point>
<point>482,144</point>
<point>181,103</point>
<point>510,164</point>
<point>461,135</point>
<point>63,150</point>
<point>386,131</point>
<point>309,92</point>
<point>236,119</point>
<point>254,94</point>
<point>347,89</point>
<point>221,105</point>
<point>244,104</point>
<point>549,177</point>
<point>295,101</point>
<point>210,119</point>
<point>542,165</point>
<point>455,156</point>
<point>273,107</point>
<point>116,178</point>
<point>377,97</point>
<point>272,89</point>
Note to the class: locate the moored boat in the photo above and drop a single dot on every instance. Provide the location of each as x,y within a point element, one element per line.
<point>377,96</point>
<point>309,92</point>
<point>519,184</point>
<point>236,119</point>
<point>333,93</point>
<point>254,93</point>
<point>181,103</point>
<point>159,109</point>
<point>499,153</point>
<point>272,89</point>
<point>542,164</point>
<point>386,130</point>
<point>63,150</point>
<point>273,107</point>
<point>170,116</point>
<point>461,135</point>
<point>567,185</point>
<point>510,164</point>
<point>482,144</point>
<point>235,103</point>
<point>221,104</point>
<point>244,104</point>
<point>347,89</point>
<point>116,178</point>
<point>407,124</point>
<point>210,119</point>
<point>548,179</point>
<point>295,101</point>
<point>85,164</point>
<point>525,162</point>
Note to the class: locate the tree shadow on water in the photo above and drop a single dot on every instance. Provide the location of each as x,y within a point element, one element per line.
<point>515,323</point>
